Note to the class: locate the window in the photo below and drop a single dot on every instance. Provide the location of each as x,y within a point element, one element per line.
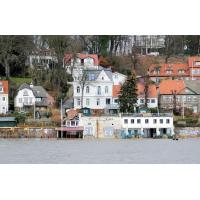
<point>78,89</point>
<point>87,102</point>
<point>194,98</point>
<point>78,102</point>
<point>138,121</point>
<point>91,77</point>
<point>153,100</point>
<point>146,121</point>
<point>181,71</point>
<point>141,100</point>
<point>148,100</point>
<point>116,100</point>
<point>87,89</point>
<point>125,121</point>
<point>169,72</point>
<point>73,123</point>
<point>1,88</point>
<point>167,121</point>
<point>189,98</point>
<point>107,101</point>
<point>102,78</point>
<point>99,90</point>
<point>132,121</point>
<point>25,93</point>
<point>30,100</point>
<point>161,121</point>
<point>4,99</point>
<point>98,102</point>
<point>106,89</point>
<point>154,121</point>
<point>197,63</point>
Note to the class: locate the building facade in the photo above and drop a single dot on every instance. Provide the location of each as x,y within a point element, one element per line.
<point>94,88</point>
<point>4,101</point>
<point>180,94</point>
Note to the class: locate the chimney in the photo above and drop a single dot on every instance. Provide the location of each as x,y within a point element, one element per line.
<point>31,85</point>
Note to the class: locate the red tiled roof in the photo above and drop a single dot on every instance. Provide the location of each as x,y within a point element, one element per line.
<point>169,86</point>
<point>152,92</point>
<point>72,113</point>
<point>5,86</point>
<point>116,90</point>
<point>174,67</point>
<point>68,57</point>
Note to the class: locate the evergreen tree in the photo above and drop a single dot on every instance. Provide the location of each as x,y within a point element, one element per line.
<point>128,95</point>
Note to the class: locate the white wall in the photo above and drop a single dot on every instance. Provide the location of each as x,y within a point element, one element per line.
<point>3,103</point>
<point>150,104</point>
<point>150,124</point>
<point>118,78</point>
<point>21,98</point>
<point>100,126</point>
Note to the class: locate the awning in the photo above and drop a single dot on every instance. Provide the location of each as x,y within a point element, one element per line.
<point>80,128</point>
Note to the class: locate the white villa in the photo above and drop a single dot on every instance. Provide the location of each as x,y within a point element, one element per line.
<point>98,91</point>
<point>3,96</point>
<point>29,96</point>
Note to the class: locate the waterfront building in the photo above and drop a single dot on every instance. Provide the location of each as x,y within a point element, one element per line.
<point>118,126</point>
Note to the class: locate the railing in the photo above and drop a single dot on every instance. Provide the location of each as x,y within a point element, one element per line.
<point>147,115</point>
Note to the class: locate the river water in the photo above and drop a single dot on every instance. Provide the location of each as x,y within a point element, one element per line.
<point>99,151</point>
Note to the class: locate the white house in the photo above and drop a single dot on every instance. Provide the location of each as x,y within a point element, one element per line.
<point>42,58</point>
<point>3,96</point>
<point>98,88</point>
<point>80,61</point>
<point>30,95</point>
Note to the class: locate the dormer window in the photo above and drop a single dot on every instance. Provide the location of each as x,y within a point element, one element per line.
<point>25,93</point>
<point>168,71</point>
<point>102,78</point>
<point>197,63</point>
<point>156,72</point>
<point>181,71</point>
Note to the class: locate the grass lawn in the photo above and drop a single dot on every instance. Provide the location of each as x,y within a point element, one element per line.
<point>19,80</point>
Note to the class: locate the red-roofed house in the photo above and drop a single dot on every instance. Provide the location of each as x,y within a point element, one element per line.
<point>80,61</point>
<point>3,96</point>
<point>194,67</point>
<point>180,94</point>
<point>169,71</point>
<point>152,100</point>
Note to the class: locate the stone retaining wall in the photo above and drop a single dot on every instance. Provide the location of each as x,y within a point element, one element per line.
<point>188,131</point>
<point>27,133</point>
